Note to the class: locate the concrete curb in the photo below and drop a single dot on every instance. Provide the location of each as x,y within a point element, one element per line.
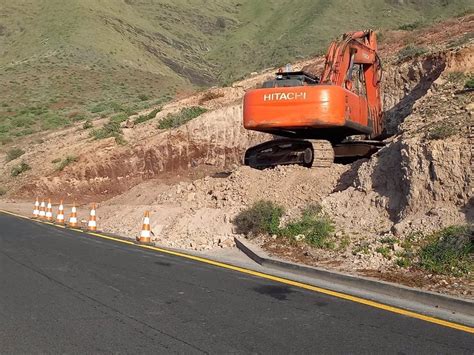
<point>377,290</point>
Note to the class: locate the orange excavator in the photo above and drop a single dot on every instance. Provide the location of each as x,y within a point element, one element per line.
<point>342,107</point>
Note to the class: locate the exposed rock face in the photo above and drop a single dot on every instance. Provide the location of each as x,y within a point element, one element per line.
<point>406,83</point>
<point>422,180</point>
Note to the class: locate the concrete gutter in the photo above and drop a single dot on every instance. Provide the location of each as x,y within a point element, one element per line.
<point>425,302</point>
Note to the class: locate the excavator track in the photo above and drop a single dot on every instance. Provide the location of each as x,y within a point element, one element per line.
<point>308,153</point>
<point>323,153</point>
<point>314,153</point>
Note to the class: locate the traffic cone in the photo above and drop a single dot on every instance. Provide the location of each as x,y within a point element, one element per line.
<point>42,210</point>
<point>145,234</point>
<point>92,225</point>
<point>60,216</point>
<point>49,211</point>
<point>73,216</point>
<point>36,210</point>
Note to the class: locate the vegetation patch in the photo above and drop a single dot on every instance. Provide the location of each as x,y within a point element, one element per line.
<point>121,117</point>
<point>263,217</point>
<point>209,96</point>
<point>20,169</point>
<point>87,124</point>
<point>313,227</point>
<point>449,251</point>
<point>469,84</point>
<point>147,117</point>
<point>2,191</point>
<point>110,129</point>
<point>66,161</point>
<point>14,153</point>
<point>410,52</point>
<point>441,130</point>
<point>384,251</point>
<point>182,117</point>
<point>143,97</point>
<point>410,26</point>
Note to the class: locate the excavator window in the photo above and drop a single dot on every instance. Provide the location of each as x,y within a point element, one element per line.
<point>356,82</point>
<point>290,79</point>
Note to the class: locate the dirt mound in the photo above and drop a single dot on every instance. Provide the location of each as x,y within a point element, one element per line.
<point>197,214</point>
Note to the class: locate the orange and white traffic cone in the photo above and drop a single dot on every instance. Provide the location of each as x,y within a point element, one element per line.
<point>145,234</point>
<point>49,211</point>
<point>60,216</point>
<point>73,216</point>
<point>42,210</point>
<point>92,225</point>
<point>36,210</point>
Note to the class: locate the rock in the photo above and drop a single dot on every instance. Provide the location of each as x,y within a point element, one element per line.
<point>470,107</point>
<point>299,237</point>
<point>128,123</point>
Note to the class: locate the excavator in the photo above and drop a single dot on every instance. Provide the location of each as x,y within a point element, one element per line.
<point>342,107</point>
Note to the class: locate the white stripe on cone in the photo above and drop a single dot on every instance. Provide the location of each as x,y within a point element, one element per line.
<point>36,210</point>
<point>145,234</point>
<point>60,216</point>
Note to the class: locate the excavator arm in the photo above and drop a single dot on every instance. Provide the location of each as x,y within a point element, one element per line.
<point>357,49</point>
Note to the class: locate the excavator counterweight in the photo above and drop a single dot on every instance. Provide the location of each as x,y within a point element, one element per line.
<point>300,108</point>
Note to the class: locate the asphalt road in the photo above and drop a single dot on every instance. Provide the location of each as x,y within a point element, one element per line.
<point>64,291</point>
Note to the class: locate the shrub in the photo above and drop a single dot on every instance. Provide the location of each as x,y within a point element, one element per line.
<point>99,108</point>
<point>384,251</point>
<point>19,169</point>
<point>149,116</point>
<point>121,117</point>
<point>441,131</point>
<point>14,153</point>
<point>410,52</point>
<point>449,251</point>
<point>210,95</point>
<point>410,26</point>
<point>388,240</point>
<point>313,225</point>
<point>110,129</point>
<point>143,97</point>
<point>76,116</point>
<point>403,262</point>
<point>262,217</point>
<point>87,124</point>
<point>68,160</point>
<point>2,191</point>
<point>182,117</point>
<point>469,84</point>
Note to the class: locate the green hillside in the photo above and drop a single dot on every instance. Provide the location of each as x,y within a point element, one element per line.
<point>67,60</point>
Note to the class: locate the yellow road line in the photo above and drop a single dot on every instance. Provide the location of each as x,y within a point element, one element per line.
<point>281,280</point>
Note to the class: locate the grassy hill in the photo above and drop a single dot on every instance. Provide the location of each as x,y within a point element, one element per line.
<point>63,61</point>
